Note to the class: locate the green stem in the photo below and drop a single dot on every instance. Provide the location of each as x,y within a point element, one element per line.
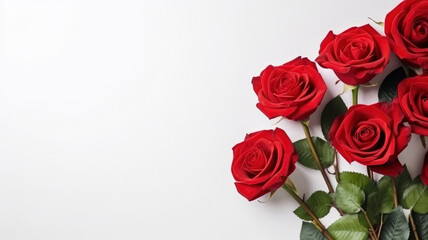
<point>355,95</point>
<point>380,226</point>
<point>336,166</point>
<point>315,154</point>
<point>406,70</point>
<point>370,173</point>
<point>374,236</point>
<point>305,207</point>
<point>412,223</point>
<point>394,191</point>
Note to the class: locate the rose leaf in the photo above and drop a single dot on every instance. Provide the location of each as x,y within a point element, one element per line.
<point>319,202</point>
<point>415,197</point>
<point>324,150</point>
<point>421,224</point>
<point>395,226</point>
<point>349,197</point>
<point>402,181</point>
<point>360,180</point>
<point>310,232</point>
<point>348,227</point>
<point>387,194</point>
<point>388,88</point>
<point>373,207</point>
<point>334,108</point>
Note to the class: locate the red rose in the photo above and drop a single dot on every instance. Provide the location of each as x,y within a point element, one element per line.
<point>293,90</point>
<point>355,55</point>
<point>406,27</point>
<point>424,173</point>
<point>262,162</point>
<point>372,135</point>
<point>413,100</point>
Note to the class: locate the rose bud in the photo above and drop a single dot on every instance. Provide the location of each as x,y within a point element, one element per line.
<point>293,90</point>
<point>355,55</point>
<point>262,162</point>
<point>372,135</point>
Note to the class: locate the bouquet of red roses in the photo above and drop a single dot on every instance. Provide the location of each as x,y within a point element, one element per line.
<point>370,205</point>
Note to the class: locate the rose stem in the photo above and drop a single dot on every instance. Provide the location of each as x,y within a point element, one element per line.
<point>336,173</point>
<point>336,166</point>
<point>373,232</point>
<point>380,225</point>
<point>412,222</point>
<point>355,95</point>
<point>394,191</point>
<point>317,159</point>
<point>370,173</point>
<point>305,207</point>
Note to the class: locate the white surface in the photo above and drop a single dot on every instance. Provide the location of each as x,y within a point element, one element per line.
<point>117,118</point>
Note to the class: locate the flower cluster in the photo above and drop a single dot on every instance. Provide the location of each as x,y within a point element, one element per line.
<point>371,206</point>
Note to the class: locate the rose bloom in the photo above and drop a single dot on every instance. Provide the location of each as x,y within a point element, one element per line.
<point>413,99</point>
<point>372,135</point>
<point>262,162</point>
<point>424,173</point>
<point>406,27</point>
<point>293,90</point>
<point>355,55</point>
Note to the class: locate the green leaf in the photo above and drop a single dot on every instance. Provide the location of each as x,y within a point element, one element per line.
<point>348,227</point>
<point>360,180</point>
<point>388,88</point>
<point>402,182</point>
<point>395,226</point>
<point>334,108</point>
<point>415,197</point>
<point>324,150</point>
<point>362,219</point>
<point>310,232</point>
<point>319,202</point>
<point>373,207</point>
<point>421,224</point>
<point>386,193</point>
<point>348,197</point>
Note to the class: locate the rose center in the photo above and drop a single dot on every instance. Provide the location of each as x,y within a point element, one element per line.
<point>254,163</point>
<point>357,50</point>
<point>289,86</point>
<point>368,136</point>
<point>365,133</point>
<point>419,35</point>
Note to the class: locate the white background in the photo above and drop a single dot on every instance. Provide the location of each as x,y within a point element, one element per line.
<point>117,118</point>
